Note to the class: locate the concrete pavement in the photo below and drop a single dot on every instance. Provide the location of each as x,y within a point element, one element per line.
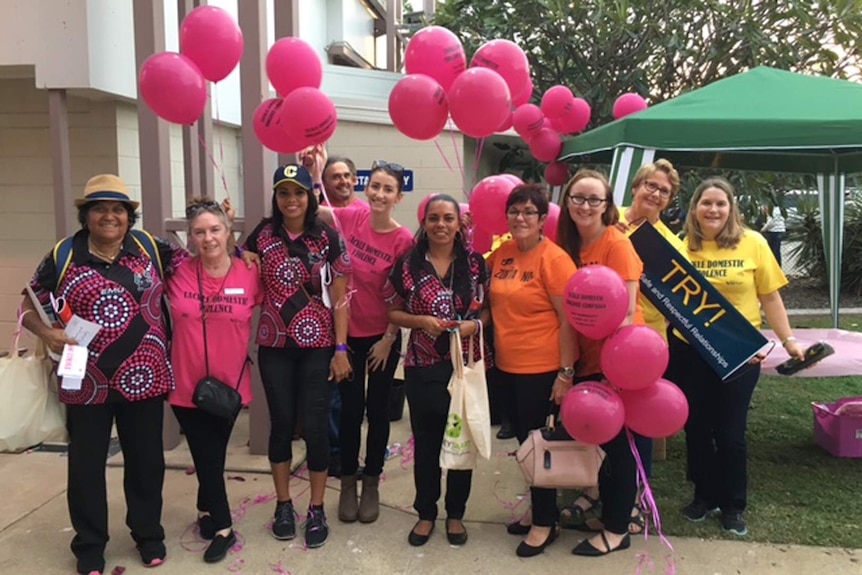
<point>35,530</point>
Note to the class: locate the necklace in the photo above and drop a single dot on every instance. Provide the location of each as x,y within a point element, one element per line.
<point>202,295</point>
<point>447,291</point>
<point>103,255</point>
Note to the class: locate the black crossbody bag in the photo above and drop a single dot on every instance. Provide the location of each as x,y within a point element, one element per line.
<point>211,395</point>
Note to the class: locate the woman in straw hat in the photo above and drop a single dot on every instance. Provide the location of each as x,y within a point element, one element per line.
<point>113,276</point>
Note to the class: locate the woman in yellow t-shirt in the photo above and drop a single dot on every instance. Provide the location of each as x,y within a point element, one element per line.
<point>587,232</point>
<point>744,270</point>
<point>533,341</point>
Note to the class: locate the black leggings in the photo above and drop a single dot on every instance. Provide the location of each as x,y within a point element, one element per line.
<point>208,436</point>
<point>297,379</point>
<point>355,404</point>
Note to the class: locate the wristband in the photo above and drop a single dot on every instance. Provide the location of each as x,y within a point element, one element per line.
<point>317,186</point>
<point>786,339</point>
<point>390,336</point>
<point>341,347</point>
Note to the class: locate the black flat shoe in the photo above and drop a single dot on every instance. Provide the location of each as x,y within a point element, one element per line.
<point>219,547</point>
<point>586,549</point>
<point>517,528</point>
<point>417,540</point>
<point>526,550</point>
<point>456,538</point>
<point>587,527</point>
<point>506,432</point>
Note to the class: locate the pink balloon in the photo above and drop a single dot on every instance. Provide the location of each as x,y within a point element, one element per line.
<point>546,145</point>
<point>482,240</point>
<point>292,63</point>
<point>173,87</point>
<point>435,52</point>
<point>516,181</point>
<point>308,116</point>
<point>660,410</point>
<point>596,301</point>
<point>528,120</point>
<point>575,119</point>
<point>556,173</point>
<point>479,102</point>
<point>523,97</point>
<point>488,204</point>
<point>420,210</point>
<point>592,412</point>
<point>507,59</point>
<point>464,207</point>
<point>211,38</point>
<point>268,128</point>
<point>628,104</point>
<point>634,357</point>
<point>418,107</point>
<point>557,101</point>
<point>507,123</point>
<point>549,230</point>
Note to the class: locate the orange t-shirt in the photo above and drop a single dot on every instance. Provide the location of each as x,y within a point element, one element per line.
<point>526,325</point>
<point>614,250</point>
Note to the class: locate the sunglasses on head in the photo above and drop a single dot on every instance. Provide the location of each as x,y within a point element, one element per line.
<point>397,168</point>
<point>194,209</point>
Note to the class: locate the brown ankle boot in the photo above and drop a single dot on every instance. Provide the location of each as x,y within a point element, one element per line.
<point>348,505</point>
<point>369,503</point>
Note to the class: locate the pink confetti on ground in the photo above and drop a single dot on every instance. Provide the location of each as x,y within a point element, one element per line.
<point>510,505</point>
<point>118,570</point>
<point>278,568</point>
<point>235,478</point>
<point>408,453</point>
<point>190,470</point>
<point>236,565</point>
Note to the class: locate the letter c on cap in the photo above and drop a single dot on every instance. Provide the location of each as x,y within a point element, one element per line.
<point>290,171</point>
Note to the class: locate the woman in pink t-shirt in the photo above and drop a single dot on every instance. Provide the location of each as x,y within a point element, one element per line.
<point>375,241</point>
<point>212,296</point>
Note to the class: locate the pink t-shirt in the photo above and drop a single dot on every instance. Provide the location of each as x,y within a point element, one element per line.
<point>372,254</point>
<point>229,302</point>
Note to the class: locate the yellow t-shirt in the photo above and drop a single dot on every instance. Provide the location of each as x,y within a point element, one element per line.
<point>741,274</point>
<point>526,325</point>
<point>653,317</point>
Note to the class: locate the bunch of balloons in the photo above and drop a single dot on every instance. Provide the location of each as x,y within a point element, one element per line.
<point>173,84</point>
<point>633,359</point>
<point>302,115</point>
<point>439,83</point>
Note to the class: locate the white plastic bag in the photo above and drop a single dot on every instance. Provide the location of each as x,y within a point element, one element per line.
<point>30,411</point>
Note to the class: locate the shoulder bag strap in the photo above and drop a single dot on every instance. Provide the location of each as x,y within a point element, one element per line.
<point>203,315</point>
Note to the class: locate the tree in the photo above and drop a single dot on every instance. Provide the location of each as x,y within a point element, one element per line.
<point>603,48</point>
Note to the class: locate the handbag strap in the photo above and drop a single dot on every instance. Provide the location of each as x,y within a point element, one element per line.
<point>204,322</point>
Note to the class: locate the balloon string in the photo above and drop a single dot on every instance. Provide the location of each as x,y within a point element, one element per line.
<point>214,163</point>
<point>649,509</point>
<point>344,301</point>
<point>457,156</point>
<point>220,143</point>
<point>443,154</point>
<point>476,166</point>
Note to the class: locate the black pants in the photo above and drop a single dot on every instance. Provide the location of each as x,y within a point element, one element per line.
<point>355,403</point>
<point>528,405</point>
<point>139,425</point>
<point>208,436</point>
<point>297,379</point>
<point>774,240</point>
<point>715,431</point>
<point>428,399</point>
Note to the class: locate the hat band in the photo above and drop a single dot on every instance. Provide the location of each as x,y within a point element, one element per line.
<point>302,185</point>
<point>107,195</point>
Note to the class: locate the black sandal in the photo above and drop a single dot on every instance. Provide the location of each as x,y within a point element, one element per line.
<point>637,522</point>
<point>587,549</point>
<point>576,512</point>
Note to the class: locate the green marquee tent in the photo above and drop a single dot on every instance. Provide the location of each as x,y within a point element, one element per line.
<point>764,119</point>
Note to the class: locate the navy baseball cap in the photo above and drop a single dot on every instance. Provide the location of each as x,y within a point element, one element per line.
<point>292,173</point>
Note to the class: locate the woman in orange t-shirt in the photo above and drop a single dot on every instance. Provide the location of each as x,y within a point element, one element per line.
<point>587,233</point>
<point>533,341</point>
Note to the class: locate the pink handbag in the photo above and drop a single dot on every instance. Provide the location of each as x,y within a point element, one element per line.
<point>550,458</point>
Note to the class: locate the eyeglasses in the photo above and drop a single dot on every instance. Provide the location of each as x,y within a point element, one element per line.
<point>652,187</point>
<point>513,214</point>
<point>397,168</point>
<point>195,208</point>
<point>592,201</point>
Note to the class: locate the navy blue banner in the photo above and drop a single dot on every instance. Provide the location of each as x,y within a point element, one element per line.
<point>719,332</point>
<point>363,175</point>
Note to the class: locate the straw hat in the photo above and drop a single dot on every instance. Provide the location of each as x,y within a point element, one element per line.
<point>106,187</point>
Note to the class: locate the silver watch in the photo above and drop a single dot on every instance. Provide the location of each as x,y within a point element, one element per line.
<point>567,372</point>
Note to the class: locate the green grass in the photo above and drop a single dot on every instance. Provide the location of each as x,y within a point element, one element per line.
<point>798,493</point>
<point>848,322</point>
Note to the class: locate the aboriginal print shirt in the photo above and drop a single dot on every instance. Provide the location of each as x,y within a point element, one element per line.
<point>293,313</point>
<point>129,354</point>
<point>421,292</point>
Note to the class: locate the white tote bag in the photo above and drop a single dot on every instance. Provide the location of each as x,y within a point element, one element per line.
<point>30,412</point>
<point>476,403</point>
<point>458,450</point>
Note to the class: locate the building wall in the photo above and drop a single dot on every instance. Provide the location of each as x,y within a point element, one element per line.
<point>26,182</point>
